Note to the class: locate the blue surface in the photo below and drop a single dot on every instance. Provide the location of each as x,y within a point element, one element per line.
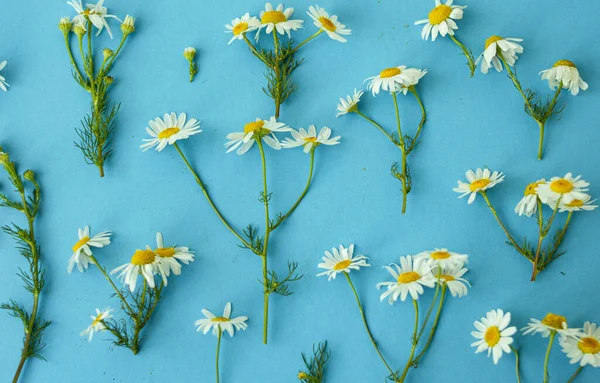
<point>473,122</point>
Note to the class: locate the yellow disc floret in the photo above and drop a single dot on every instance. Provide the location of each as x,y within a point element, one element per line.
<point>492,40</point>
<point>80,243</point>
<point>389,72</point>
<point>165,252</point>
<point>143,257</point>
<point>273,17</point>
<point>408,277</point>
<point>439,14</point>
<point>240,28</point>
<point>440,255</point>
<point>479,184</point>
<point>342,265</point>
<point>554,321</point>
<point>561,186</point>
<point>168,133</point>
<point>564,63</point>
<point>327,24</point>
<point>589,345</point>
<point>492,336</point>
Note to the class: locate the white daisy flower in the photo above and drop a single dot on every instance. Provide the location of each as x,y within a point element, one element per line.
<point>278,19</point>
<point>564,73</point>
<point>451,276</point>
<point>495,46</point>
<point>410,277</point>
<point>341,261</point>
<point>143,262</point>
<point>584,204</point>
<point>97,323</point>
<point>81,248</point>
<point>256,130</point>
<point>414,80</point>
<point>242,25</point>
<point>350,104</point>
<point>441,20</point>
<point>567,189</point>
<point>479,181</point>
<point>328,24</point>
<point>3,84</point>
<point>494,334</point>
<point>96,13</point>
<point>584,349</point>
<point>310,139</point>
<point>528,204</point>
<point>168,130</point>
<point>442,257</point>
<point>168,257</point>
<point>222,323</point>
<point>390,78</point>
<point>551,323</point>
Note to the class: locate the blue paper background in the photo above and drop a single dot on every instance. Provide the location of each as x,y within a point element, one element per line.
<point>472,123</point>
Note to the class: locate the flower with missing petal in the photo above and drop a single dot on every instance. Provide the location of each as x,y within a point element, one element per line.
<point>278,19</point>
<point>310,140</point>
<point>168,130</point>
<point>95,13</point>
<point>97,323</point>
<point>441,20</point>
<point>496,49</point>
<point>494,334</point>
<point>169,257</point>
<point>451,276</point>
<point>585,348</point>
<point>82,248</point>
<point>409,278</point>
<point>528,204</point>
<point>256,130</point>
<point>566,75</point>
<point>341,260</point>
<point>221,323</point>
<point>442,257</point>
<point>552,323</point>
<point>390,79</point>
<point>328,24</point>
<point>350,104</point>
<point>242,25</point>
<point>584,204</point>
<point>478,181</point>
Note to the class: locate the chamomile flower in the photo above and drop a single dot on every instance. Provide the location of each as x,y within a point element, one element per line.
<point>3,84</point>
<point>221,323</point>
<point>278,19</point>
<point>567,189</point>
<point>350,104</point>
<point>143,262</point>
<point>309,139</point>
<point>328,24</point>
<point>242,25</point>
<point>550,324</point>
<point>441,20</point>
<point>390,78</point>
<point>168,130</point>
<point>451,277</point>
<point>97,323</point>
<point>256,130</point>
<point>564,73</point>
<point>528,204</point>
<point>494,334</point>
<point>409,278</point>
<point>442,257</point>
<point>341,260</point>
<point>169,257</point>
<point>584,204</point>
<point>95,13</point>
<point>412,81</point>
<point>585,348</point>
<point>496,46</point>
<point>479,181</point>
<point>82,248</point>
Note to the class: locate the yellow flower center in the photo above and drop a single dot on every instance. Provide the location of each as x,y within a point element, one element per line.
<point>439,14</point>
<point>342,265</point>
<point>389,72</point>
<point>530,189</point>
<point>479,184</point>
<point>554,321</point>
<point>589,346</point>
<point>80,243</point>
<point>492,40</point>
<point>165,252</point>
<point>575,203</point>
<point>564,63</point>
<point>168,133</point>
<point>447,278</point>
<point>440,255</point>
<point>97,320</point>
<point>254,126</point>
<point>409,277</point>
<point>561,186</point>
<point>310,139</point>
<point>492,336</point>
<point>220,319</point>
<point>273,17</point>
<point>143,257</point>
<point>327,24</point>
<point>240,28</point>
<point>87,12</point>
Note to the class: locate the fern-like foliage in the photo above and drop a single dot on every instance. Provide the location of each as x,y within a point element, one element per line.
<point>315,365</point>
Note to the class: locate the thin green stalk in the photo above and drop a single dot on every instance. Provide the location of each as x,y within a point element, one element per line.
<point>467,53</point>
<point>517,368</point>
<point>543,233</point>
<point>377,126</point>
<point>302,44</point>
<point>433,327</point>
<point>254,50</point>
<point>218,352</point>
<point>89,46</point>
<point>72,59</point>
<point>575,374</point>
<point>430,310</point>
<point>109,279</point>
<point>542,124</point>
<point>550,342</point>
<point>112,59</point>
<point>414,343</point>
<point>489,204</point>
<point>266,240</point>
<point>413,90</point>
<point>517,84</point>
<point>277,76</point>
<point>403,149</point>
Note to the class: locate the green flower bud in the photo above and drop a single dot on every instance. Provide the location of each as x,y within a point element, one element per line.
<point>29,175</point>
<point>4,158</point>
<point>65,25</point>
<point>189,53</point>
<point>128,25</point>
<point>79,30</point>
<point>107,53</point>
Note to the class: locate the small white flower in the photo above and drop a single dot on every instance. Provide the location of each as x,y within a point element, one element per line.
<point>168,130</point>
<point>495,46</point>
<point>256,130</point>
<point>350,104</point>
<point>584,204</point>
<point>494,334</point>
<point>479,181</point>
<point>222,323</point>
<point>441,20</point>
<point>310,139</point>
<point>341,261</point>
<point>82,248</point>
<point>410,277</point>
<point>242,25</point>
<point>390,79</point>
<point>566,189</point>
<point>96,13</point>
<point>442,257</point>
<point>168,257</point>
<point>97,323</point>
<point>551,323</point>
<point>143,262</point>
<point>585,348</point>
<point>278,19</point>
<point>528,204</point>
<point>451,276</point>
<point>564,73</point>
<point>3,83</point>
<point>329,24</point>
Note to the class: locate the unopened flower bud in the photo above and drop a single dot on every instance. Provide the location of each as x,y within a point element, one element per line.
<point>189,53</point>
<point>29,175</point>
<point>65,25</point>
<point>128,26</point>
<point>4,158</point>
<point>79,30</point>
<point>109,80</point>
<point>107,53</point>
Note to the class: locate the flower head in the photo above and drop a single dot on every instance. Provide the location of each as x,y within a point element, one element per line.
<point>584,348</point>
<point>566,75</point>
<point>478,181</point>
<point>189,53</point>
<point>441,20</point>
<point>528,204</point>
<point>564,189</point>
<point>451,277</point>
<point>82,248</point>
<point>552,323</point>
<point>168,130</point>
<point>278,19</point>
<point>3,84</point>
<point>169,257</point>
<point>256,130</point>
<point>390,79</point>
<point>95,13</point>
<point>309,139</point>
<point>403,88</point>
<point>409,278</point>
<point>242,25</point>
<point>584,204</point>
<point>341,260</point>
<point>350,104</point>
<point>328,24</point>
<point>128,26</point>
<point>222,323</point>
<point>496,49</point>
<point>144,262</point>
<point>494,334</point>
<point>442,257</point>
<point>97,323</point>
<point>65,25</point>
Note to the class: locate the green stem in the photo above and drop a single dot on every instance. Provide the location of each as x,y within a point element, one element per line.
<point>109,279</point>
<point>404,180</point>
<point>377,126</point>
<point>467,53</point>
<point>550,342</point>
<point>430,310</point>
<point>218,352</point>
<point>277,77</point>
<point>266,240</point>
<point>72,59</point>
<point>89,46</point>
<point>543,233</point>
<point>517,84</point>
<point>575,374</point>
<point>517,361</point>
<point>414,342</point>
<point>254,50</point>
<point>542,126</point>
<point>302,44</point>
<point>112,59</point>
<point>434,327</point>
<point>510,238</point>
<point>413,90</point>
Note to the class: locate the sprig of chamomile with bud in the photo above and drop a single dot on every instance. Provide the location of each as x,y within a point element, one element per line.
<point>314,371</point>
<point>501,52</point>
<point>190,55</point>
<point>28,203</point>
<point>98,126</point>
<point>138,304</point>
<point>281,61</point>
<point>560,194</point>
<point>395,80</point>
<point>170,129</point>
<point>440,269</point>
